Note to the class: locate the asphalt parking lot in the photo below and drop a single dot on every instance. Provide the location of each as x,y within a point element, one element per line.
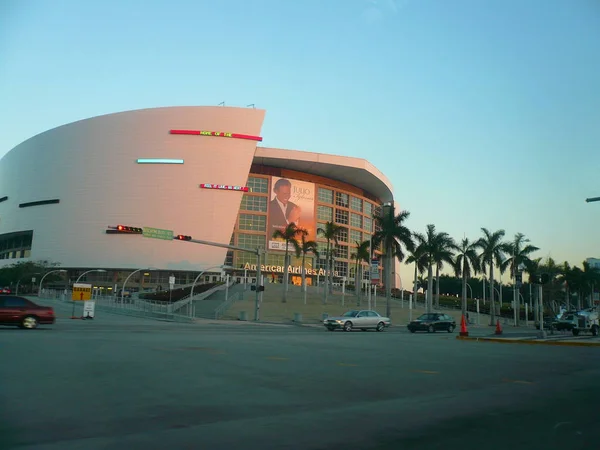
<point>126,383</point>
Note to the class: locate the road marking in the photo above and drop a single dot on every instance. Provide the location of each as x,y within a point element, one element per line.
<point>347,365</point>
<point>506,380</point>
<point>429,372</point>
<point>277,358</point>
<point>212,351</point>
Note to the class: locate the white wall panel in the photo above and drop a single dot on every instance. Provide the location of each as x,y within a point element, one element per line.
<point>91,167</point>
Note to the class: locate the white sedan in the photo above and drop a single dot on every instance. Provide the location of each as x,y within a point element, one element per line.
<point>361,319</point>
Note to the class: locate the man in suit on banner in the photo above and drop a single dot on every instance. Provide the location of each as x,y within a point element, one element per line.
<point>282,212</point>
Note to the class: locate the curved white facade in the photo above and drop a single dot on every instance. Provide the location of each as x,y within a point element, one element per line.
<point>91,167</point>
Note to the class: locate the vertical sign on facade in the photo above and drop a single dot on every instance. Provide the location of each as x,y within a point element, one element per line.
<point>374,271</point>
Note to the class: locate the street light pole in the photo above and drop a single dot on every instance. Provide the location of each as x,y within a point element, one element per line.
<point>45,275</point>
<point>593,199</point>
<point>127,279</point>
<point>198,277</point>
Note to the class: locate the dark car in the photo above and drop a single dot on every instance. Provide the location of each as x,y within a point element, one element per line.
<point>432,322</point>
<point>20,312</point>
<point>550,323</point>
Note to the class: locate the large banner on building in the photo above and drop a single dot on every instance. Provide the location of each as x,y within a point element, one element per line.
<point>291,201</point>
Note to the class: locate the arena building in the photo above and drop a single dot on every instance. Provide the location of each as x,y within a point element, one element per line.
<point>195,171</point>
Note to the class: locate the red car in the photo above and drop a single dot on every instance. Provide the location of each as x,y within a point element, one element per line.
<point>5,290</point>
<point>20,312</point>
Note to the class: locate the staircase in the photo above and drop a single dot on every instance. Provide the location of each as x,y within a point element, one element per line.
<point>215,305</point>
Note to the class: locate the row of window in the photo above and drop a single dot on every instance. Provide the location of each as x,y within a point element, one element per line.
<point>261,186</point>
<point>16,254</point>
<point>16,245</point>
<point>252,241</point>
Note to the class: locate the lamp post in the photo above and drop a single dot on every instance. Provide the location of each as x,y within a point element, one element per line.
<point>77,281</point>
<point>19,281</point>
<point>127,279</point>
<point>593,199</point>
<point>45,275</point>
<point>222,266</point>
<point>476,300</point>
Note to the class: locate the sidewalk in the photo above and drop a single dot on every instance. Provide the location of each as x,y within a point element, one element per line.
<point>531,337</point>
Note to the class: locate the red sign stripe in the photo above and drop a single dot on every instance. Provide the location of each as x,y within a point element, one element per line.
<point>217,134</point>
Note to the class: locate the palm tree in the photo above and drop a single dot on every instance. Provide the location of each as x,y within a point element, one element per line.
<point>289,235</point>
<point>550,272</point>
<point>492,253</point>
<point>519,251</point>
<point>432,242</point>
<point>303,248</point>
<point>359,256</point>
<point>444,254</point>
<point>532,267</point>
<point>467,264</point>
<point>330,233</point>
<point>394,236</point>
<point>418,258</point>
<point>591,279</point>
<point>566,279</point>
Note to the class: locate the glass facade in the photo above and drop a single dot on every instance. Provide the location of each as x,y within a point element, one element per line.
<point>346,208</point>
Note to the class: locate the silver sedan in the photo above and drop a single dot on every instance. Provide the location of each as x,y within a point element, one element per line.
<point>361,319</point>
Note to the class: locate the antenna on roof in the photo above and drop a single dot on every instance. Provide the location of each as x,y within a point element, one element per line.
<point>251,104</point>
<point>221,104</point>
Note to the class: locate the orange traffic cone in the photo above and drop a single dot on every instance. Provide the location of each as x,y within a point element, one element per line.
<point>498,327</point>
<point>463,327</point>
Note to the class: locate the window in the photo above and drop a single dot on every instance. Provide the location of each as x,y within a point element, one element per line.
<point>258,185</point>
<point>377,210</point>
<point>356,220</point>
<point>341,216</point>
<point>343,235</point>
<point>251,241</point>
<point>341,199</point>
<point>341,251</point>
<point>254,203</point>
<point>15,302</point>
<point>251,222</point>
<point>325,195</point>
<point>322,246</point>
<point>229,258</point>
<point>356,204</point>
<point>322,226</point>
<point>368,224</point>
<point>325,213</point>
<point>355,236</point>
<point>368,209</point>
<point>274,259</point>
<point>341,268</point>
<point>243,258</point>
<point>377,227</point>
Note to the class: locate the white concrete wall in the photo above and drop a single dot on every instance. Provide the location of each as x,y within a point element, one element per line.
<point>91,167</point>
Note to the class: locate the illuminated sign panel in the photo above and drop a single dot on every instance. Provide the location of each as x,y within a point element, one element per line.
<point>159,161</point>
<point>224,187</point>
<point>217,134</point>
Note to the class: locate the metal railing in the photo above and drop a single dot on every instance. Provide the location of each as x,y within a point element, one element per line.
<point>223,307</point>
<point>152,309</point>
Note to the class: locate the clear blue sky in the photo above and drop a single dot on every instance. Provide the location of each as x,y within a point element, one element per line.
<point>482,113</point>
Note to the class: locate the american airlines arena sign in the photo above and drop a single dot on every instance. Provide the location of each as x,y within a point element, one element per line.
<point>224,187</point>
<point>291,269</point>
<point>217,134</point>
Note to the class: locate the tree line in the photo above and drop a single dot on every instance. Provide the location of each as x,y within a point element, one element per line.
<point>433,251</point>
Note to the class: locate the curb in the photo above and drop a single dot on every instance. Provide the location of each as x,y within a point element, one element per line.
<point>531,342</point>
